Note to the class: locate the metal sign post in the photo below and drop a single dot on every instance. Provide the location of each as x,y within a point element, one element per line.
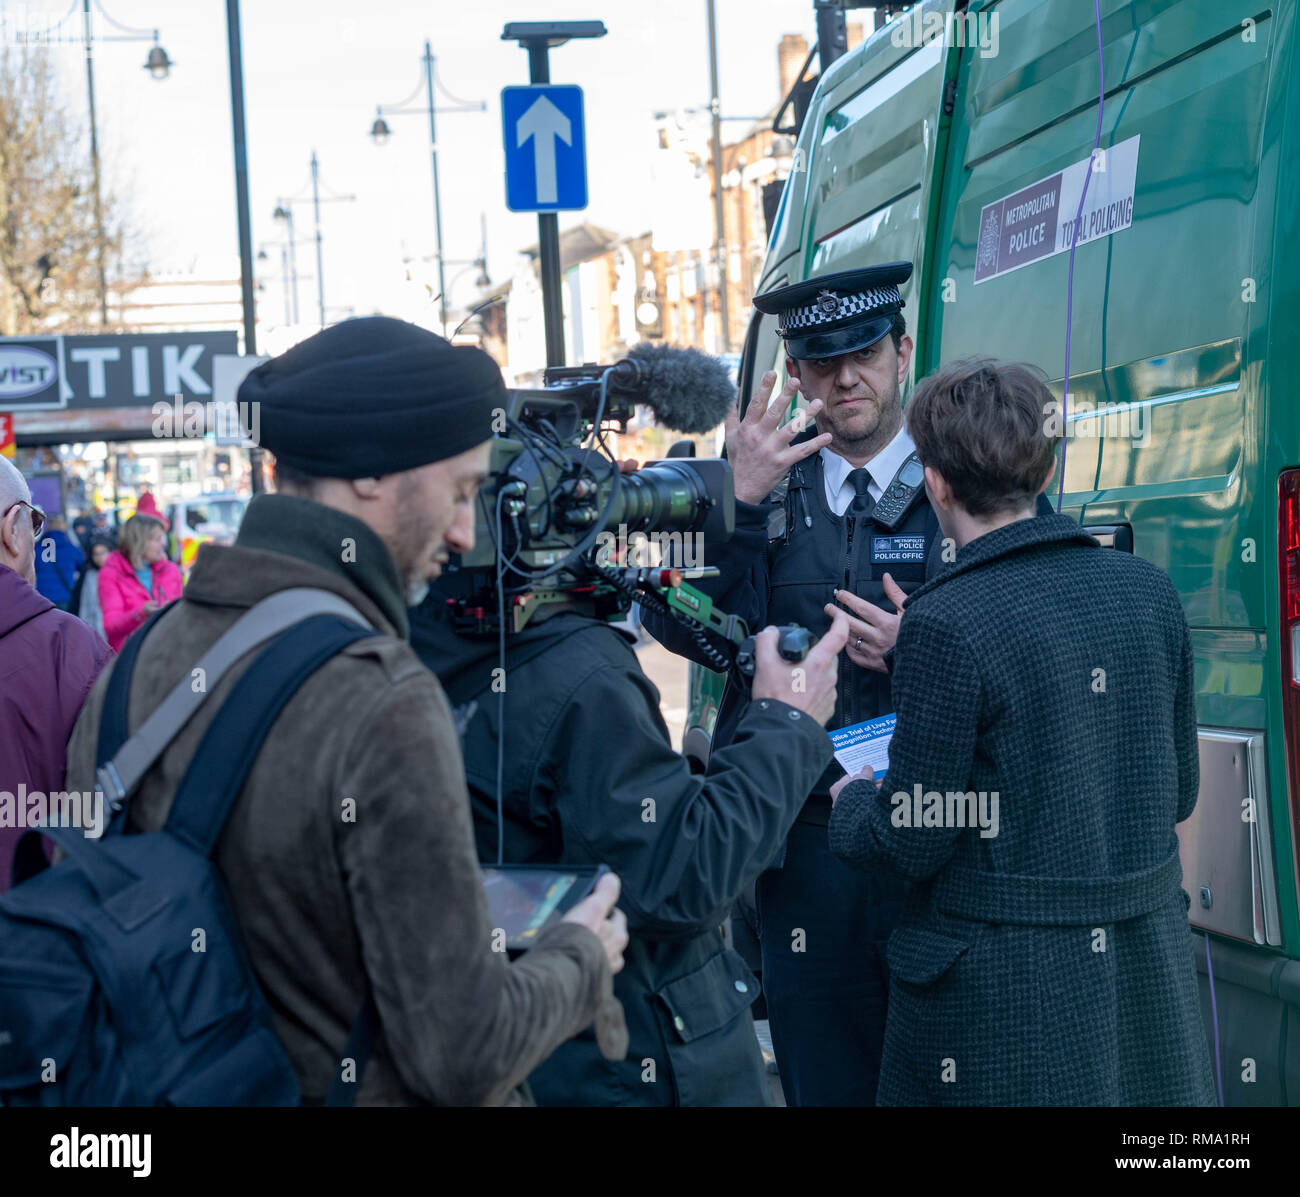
<point>535,136</point>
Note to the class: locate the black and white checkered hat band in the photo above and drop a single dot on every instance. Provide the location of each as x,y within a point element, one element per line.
<point>820,313</point>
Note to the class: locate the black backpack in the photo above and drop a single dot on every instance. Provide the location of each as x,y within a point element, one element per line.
<point>105,996</point>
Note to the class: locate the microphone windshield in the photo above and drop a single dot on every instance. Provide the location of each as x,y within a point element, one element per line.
<point>688,391</point>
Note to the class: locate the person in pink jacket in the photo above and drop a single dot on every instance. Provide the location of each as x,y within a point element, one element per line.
<point>136,579</point>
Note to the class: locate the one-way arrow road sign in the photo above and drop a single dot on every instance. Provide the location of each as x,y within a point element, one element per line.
<point>545,124</point>
<point>546,155</point>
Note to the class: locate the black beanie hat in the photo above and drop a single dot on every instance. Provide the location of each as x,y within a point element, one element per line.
<point>373,396</point>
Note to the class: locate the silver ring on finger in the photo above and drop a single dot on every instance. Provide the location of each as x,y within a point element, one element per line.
<point>857,647</point>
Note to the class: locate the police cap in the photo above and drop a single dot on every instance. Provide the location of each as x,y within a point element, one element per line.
<point>837,313</point>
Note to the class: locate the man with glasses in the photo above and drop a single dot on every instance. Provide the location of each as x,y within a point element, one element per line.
<point>48,662</point>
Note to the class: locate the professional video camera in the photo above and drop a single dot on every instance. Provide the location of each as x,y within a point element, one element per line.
<point>556,511</point>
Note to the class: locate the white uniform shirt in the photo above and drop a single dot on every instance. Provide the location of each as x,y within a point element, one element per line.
<point>882,468</point>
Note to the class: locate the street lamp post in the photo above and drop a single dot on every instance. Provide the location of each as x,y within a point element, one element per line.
<point>243,211</point>
<point>284,213</point>
<point>243,214</point>
<point>380,131</point>
<point>320,263</point>
<point>479,264</point>
<point>719,224</point>
<point>437,206</point>
<point>262,258</point>
<point>284,283</point>
<point>159,66</point>
<point>94,167</point>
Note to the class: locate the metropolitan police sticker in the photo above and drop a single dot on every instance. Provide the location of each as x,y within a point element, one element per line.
<point>1087,200</point>
<point>887,549</point>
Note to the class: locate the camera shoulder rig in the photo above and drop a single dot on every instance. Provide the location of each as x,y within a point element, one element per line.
<point>722,640</point>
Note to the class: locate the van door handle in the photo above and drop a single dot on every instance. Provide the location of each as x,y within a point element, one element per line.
<point>1113,536</point>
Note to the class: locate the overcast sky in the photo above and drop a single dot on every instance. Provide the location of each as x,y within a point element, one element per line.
<point>314,70</point>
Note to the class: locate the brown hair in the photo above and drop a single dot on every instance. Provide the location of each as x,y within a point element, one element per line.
<point>983,424</point>
<point>135,534</point>
<point>897,331</point>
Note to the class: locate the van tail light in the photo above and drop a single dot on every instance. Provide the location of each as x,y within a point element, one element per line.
<point>1288,572</point>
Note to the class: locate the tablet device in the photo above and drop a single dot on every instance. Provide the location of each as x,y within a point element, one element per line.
<point>527,899</point>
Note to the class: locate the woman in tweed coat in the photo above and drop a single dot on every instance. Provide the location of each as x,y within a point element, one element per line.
<point>1044,751</point>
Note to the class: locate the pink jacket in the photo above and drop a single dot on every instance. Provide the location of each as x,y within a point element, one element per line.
<point>122,598</point>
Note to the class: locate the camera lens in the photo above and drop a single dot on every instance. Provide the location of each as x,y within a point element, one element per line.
<point>666,495</point>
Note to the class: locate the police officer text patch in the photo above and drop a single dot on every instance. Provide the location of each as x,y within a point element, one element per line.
<point>893,549</point>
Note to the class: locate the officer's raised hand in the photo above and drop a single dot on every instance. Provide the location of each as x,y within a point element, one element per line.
<point>758,446</point>
<point>873,631</point>
<point>809,684</point>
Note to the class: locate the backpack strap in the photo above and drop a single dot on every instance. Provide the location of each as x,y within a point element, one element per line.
<point>229,747</point>
<point>110,879</point>
<point>121,764</point>
<point>113,728</point>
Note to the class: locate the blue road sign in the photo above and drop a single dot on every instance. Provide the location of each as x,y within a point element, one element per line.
<point>546,151</point>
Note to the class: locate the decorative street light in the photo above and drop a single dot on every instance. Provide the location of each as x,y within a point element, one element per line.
<point>481,280</point>
<point>380,131</point>
<point>159,66</point>
<point>284,214</point>
<point>262,258</point>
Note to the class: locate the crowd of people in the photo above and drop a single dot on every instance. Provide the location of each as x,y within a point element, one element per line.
<point>936,959</point>
<point>109,578</point>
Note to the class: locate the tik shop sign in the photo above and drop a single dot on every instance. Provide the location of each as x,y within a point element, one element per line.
<point>110,371</point>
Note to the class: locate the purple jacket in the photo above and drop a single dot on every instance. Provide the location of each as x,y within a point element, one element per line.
<point>48,662</point>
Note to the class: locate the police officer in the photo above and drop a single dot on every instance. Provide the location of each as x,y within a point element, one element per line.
<point>831,516</point>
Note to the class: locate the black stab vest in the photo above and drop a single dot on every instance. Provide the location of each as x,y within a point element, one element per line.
<point>812,552</point>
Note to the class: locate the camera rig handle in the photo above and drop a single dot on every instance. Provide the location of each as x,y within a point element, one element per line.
<point>793,645</point>
<point>724,639</point>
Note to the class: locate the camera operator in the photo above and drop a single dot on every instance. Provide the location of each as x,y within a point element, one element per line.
<point>348,855</point>
<point>589,776</point>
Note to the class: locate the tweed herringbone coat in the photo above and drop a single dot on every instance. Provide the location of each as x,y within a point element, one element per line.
<point>1043,955</point>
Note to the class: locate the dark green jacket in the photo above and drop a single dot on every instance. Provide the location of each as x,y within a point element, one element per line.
<point>590,777</point>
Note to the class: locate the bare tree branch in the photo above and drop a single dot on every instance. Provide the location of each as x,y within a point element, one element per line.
<point>49,247</point>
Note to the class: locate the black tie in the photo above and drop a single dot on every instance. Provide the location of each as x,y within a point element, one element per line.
<point>862,503</point>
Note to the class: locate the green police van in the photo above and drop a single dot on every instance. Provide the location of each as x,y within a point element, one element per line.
<point>960,137</point>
